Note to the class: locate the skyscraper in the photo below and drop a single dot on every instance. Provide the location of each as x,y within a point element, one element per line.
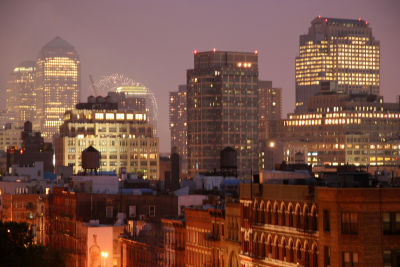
<point>58,84</point>
<point>178,123</point>
<point>342,52</point>
<point>222,110</point>
<point>20,93</point>
<point>269,116</point>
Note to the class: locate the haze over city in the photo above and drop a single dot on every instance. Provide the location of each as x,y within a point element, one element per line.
<point>152,42</point>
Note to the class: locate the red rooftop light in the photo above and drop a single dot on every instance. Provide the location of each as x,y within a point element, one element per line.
<point>195,52</point>
<point>319,16</point>
<point>359,19</point>
<point>326,20</point>
<point>256,52</point>
<point>214,50</point>
<point>366,23</point>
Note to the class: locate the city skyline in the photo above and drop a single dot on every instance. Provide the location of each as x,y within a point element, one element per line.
<point>124,38</point>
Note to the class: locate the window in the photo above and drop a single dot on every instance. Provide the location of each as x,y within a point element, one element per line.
<point>387,258</point>
<point>349,223</point>
<point>327,256</point>
<point>109,211</point>
<point>132,211</point>
<point>109,116</point>
<point>326,222</point>
<point>152,211</point>
<point>99,116</point>
<point>391,223</point>
<point>350,259</point>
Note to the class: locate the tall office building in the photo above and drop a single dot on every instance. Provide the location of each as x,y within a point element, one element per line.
<point>269,116</point>
<point>340,51</point>
<point>58,84</point>
<point>222,110</point>
<point>20,93</point>
<point>178,123</point>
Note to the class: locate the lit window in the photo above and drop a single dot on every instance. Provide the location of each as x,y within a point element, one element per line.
<point>109,116</point>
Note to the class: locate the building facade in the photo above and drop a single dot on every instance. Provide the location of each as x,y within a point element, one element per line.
<point>178,124</point>
<point>340,129</point>
<point>124,138</point>
<point>204,237</point>
<point>57,85</point>
<point>20,93</point>
<point>10,136</point>
<point>222,110</point>
<point>340,51</point>
<point>174,242</point>
<point>269,116</point>
<point>297,225</point>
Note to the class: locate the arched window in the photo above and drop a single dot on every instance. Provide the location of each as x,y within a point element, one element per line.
<point>269,213</point>
<point>306,255</point>
<point>276,214</point>
<point>261,215</point>
<point>313,220</point>
<point>269,247</point>
<point>262,247</point>
<point>255,212</point>
<point>314,255</point>
<point>290,215</point>
<point>255,246</point>
<point>283,246</point>
<point>298,252</point>
<point>276,248</point>
<point>297,216</point>
<point>291,252</point>
<point>306,223</point>
<point>283,214</point>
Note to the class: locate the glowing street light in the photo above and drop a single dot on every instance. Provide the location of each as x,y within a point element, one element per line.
<point>104,255</point>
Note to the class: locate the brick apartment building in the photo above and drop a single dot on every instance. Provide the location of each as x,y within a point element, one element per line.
<point>68,211</point>
<point>204,237</point>
<point>299,225</point>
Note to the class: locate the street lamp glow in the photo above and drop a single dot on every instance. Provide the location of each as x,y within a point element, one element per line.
<point>271,144</point>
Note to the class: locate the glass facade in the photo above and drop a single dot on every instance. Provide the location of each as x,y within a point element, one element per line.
<point>20,94</point>
<point>222,110</point>
<point>340,51</point>
<point>58,84</point>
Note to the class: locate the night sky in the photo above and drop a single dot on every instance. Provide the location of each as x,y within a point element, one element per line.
<point>153,41</point>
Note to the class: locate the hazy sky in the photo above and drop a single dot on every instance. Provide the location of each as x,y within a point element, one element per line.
<point>153,41</point>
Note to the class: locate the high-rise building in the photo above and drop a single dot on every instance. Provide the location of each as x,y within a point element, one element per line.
<point>340,51</point>
<point>222,110</point>
<point>20,93</point>
<point>58,84</point>
<point>269,116</point>
<point>178,123</point>
<point>124,138</point>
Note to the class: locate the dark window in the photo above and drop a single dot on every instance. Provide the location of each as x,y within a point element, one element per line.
<point>349,223</point>
<point>327,256</point>
<point>350,259</point>
<point>326,221</point>
<point>391,222</point>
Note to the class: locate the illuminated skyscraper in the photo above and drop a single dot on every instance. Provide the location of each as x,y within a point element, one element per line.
<point>58,84</point>
<point>178,123</point>
<point>20,93</point>
<point>222,110</point>
<point>340,51</point>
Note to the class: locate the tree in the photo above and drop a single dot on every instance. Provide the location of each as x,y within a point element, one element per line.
<point>17,248</point>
